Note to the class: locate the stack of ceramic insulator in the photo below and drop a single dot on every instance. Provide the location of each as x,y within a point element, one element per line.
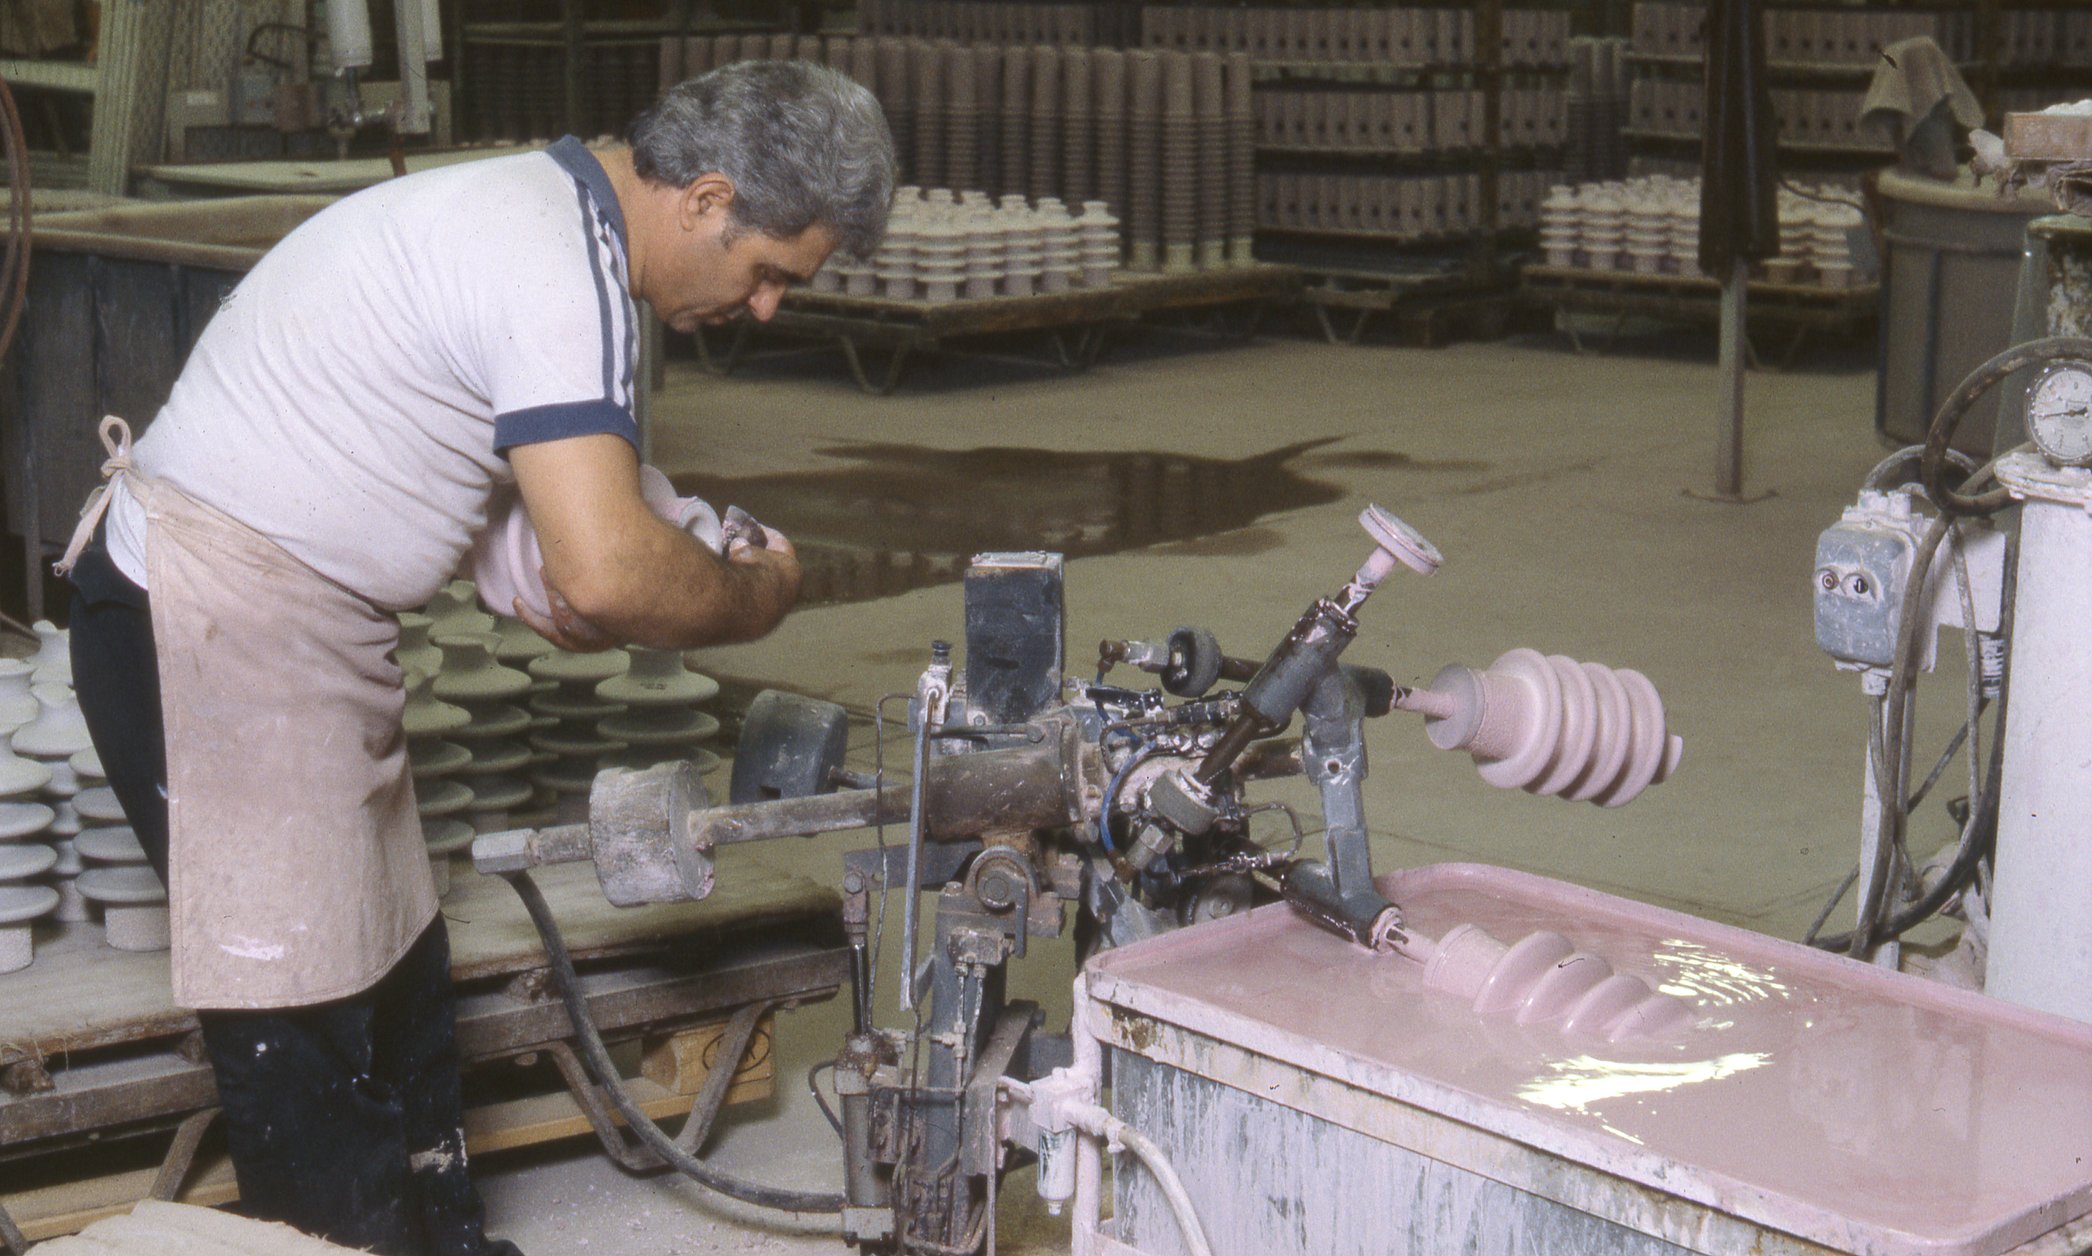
<point>576,742</point>
<point>1065,121</point>
<point>1419,209</point>
<point>23,818</point>
<point>440,799</point>
<point>1077,22</point>
<point>1545,980</point>
<point>940,246</point>
<point>1547,724</point>
<point>1651,225</point>
<point>474,679</point>
<point>661,720</point>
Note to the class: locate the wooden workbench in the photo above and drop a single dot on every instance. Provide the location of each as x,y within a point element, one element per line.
<point>80,994</point>
<point>93,1053</point>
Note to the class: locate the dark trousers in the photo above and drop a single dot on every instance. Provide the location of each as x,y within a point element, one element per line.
<point>344,1119</point>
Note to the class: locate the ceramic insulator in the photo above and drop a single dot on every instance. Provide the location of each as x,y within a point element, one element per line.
<point>1544,979</point>
<point>1548,724</point>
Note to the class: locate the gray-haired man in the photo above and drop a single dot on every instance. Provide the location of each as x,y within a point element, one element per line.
<point>326,459</point>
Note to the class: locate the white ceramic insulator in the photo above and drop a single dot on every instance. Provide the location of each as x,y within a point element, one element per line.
<point>1547,724</point>
<point>1545,980</point>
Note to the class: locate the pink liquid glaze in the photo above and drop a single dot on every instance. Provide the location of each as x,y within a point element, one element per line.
<point>1859,1108</point>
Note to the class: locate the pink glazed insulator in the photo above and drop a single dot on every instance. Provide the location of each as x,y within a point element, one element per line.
<point>1547,724</point>
<point>505,557</point>
<point>1544,979</point>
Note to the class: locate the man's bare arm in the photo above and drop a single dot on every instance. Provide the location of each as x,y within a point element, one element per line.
<point>633,576</point>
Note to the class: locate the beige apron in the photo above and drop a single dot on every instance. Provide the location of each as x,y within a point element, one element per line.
<point>298,866</point>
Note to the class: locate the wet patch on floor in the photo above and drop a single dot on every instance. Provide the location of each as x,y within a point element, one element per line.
<point>902,517</point>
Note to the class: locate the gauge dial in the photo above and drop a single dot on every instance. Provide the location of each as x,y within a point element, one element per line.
<point>2059,413</point>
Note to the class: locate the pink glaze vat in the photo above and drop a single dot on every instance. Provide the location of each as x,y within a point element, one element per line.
<point>1807,1095</point>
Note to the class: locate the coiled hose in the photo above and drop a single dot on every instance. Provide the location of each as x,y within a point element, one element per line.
<point>597,1057</point>
<point>1933,467</point>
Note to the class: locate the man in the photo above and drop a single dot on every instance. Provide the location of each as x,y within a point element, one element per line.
<point>325,460</point>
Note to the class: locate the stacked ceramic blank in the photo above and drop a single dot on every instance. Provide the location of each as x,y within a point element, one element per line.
<point>1595,110</point>
<point>941,246</point>
<point>992,21</point>
<point>575,742</point>
<point>440,798</point>
<point>106,861</point>
<point>474,679</point>
<point>661,720</point>
<point>1815,242</point>
<point>1651,226</point>
<point>1417,209</point>
<point>1827,34</point>
<point>1066,122</point>
<point>23,822</point>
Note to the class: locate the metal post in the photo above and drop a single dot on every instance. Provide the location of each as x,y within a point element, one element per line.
<point>1728,455</point>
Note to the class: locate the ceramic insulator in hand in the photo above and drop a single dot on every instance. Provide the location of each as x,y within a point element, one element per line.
<point>505,558</point>
<point>1547,724</point>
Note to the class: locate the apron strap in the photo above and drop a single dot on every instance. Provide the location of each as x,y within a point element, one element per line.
<point>116,438</point>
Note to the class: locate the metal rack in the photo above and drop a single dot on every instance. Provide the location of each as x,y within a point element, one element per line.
<point>1431,207</point>
<point>1073,325</point>
<point>2014,53</point>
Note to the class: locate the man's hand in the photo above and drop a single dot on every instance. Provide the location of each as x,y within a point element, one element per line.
<point>564,629</point>
<point>624,574</point>
<point>770,569</point>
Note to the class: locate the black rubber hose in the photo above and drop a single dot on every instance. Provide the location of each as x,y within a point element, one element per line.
<point>1978,835</point>
<point>1956,407</point>
<point>597,1058</point>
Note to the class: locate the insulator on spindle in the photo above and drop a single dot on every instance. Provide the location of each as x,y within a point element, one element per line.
<point>1548,724</point>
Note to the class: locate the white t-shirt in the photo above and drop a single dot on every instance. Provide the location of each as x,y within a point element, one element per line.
<point>353,397</point>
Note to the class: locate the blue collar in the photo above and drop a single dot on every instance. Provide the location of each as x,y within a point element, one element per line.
<point>576,160</point>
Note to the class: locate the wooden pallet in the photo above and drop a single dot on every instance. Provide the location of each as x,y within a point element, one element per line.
<point>1797,309</point>
<point>1073,324</point>
<point>1426,308</point>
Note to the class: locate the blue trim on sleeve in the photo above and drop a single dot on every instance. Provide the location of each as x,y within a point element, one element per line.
<point>574,158</point>
<point>539,424</point>
<point>595,270</point>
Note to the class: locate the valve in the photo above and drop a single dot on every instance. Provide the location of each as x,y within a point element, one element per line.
<point>1548,724</point>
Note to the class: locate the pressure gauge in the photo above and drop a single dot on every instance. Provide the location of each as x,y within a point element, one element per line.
<point>2059,413</point>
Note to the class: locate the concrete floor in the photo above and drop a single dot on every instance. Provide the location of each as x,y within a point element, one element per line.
<point>1554,485</point>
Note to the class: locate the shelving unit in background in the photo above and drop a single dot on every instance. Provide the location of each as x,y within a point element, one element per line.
<point>1402,150</point>
<point>1821,58</point>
